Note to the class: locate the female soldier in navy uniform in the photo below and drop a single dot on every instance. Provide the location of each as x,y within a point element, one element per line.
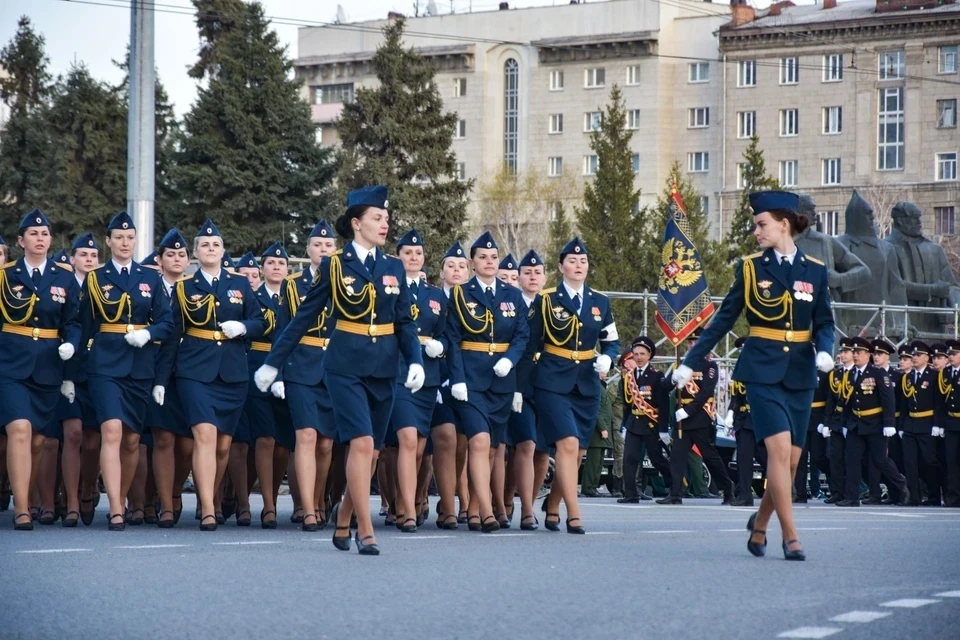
<point>787,305</point>
<point>123,312</point>
<point>371,305</point>
<point>509,273</point>
<point>412,412</point>
<point>571,322</point>
<point>39,329</point>
<point>487,336</point>
<point>212,309</point>
<point>309,403</point>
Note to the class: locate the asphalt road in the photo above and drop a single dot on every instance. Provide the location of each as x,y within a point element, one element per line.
<point>643,571</point>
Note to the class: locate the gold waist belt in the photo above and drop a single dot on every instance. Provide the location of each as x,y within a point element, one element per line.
<point>485,347</point>
<point>31,332</point>
<point>360,329</point>
<point>779,335</point>
<point>568,354</point>
<point>868,412</point>
<point>260,346</point>
<point>121,328</point>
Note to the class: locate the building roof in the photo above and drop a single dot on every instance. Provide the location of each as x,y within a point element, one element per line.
<point>604,38</point>
<point>360,56</point>
<point>844,11</point>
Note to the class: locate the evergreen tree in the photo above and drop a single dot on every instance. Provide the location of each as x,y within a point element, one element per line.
<point>27,147</point>
<point>740,240</point>
<point>398,135</point>
<point>247,156</point>
<point>561,231</point>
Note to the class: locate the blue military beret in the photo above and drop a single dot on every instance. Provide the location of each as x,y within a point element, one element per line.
<point>121,221</point>
<point>861,344</point>
<point>33,219</point>
<point>275,250</point>
<point>647,343</point>
<point>410,238</point>
<point>953,346</point>
<point>374,196</point>
<point>508,264</point>
<point>247,261</point>
<point>208,229</point>
<point>531,259</point>
<point>882,346</point>
<point>63,257</point>
<point>772,200</point>
<point>574,246</point>
<point>485,241</point>
<point>150,261</point>
<point>86,241</point>
<point>227,262</point>
<point>938,349</point>
<point>173,240</point>
<point>322,230</point>
<point>455,251</point>
<point>919,347</point>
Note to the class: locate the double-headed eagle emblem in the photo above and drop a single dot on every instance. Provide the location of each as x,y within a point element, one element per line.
<point>681,267</point>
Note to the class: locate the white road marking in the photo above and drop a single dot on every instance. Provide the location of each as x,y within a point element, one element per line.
<point>153,546</point>
<point>948,594</point>
<point>604,533</point>
<point>248,542</point>
<point>418,537</point>
<point>617,506</point>
<point>52,550</point>
<point>810,632</point>
<point>672,531</point>
<point>909,603</point>
<point>860,616</point>
<point>506,535</point>
<point>893,514</point>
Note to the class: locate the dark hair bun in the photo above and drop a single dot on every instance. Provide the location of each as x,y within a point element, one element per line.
<point>801,223</point>
<point>343,227</point>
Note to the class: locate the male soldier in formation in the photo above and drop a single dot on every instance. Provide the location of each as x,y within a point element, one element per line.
<point>919,428</point>
<point>838,385</point>
<point>948,385</point>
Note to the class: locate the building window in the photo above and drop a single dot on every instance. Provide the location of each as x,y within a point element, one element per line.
<point>947,113</point>
<point>746,124</point>
<point>947,166</point>
<point>891,65</point>
<point>789,70</point>
<point>747,73</point>
<point>947,59</point>
<point>590,165</point>
<point>741,175</point>
<point>592,121</point>
<point>556,166</point>
<point>829,222</point>
<point>789,122</point>
<point>511,114</point>
<point>318,135</point>
<point>944,221</point>
<point>556,81</point>
<point>698,162</point>
<point>636,163</point>
<point>833,67</point>
<point>461,132</point>
<point>698,117</point>
<point>633,75</point>
<point>831,171</point>
<point>459,87</point>
<point>556,123</point>
<point>832,120</point>
<point>698,72</point>
<point>594,78</point>
<point>333,94</point>
<point>461,171</point>
<point>788,173</point>
<point>633,119</point>
<point>890,137</point>
<point>705,205</point>
<point>554,210</point>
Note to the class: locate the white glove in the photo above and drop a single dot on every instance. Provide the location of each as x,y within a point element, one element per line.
<point>943,432</point>
<point>264,377</point>
<point>935,432</point>
<point>66,351</point>
<point>665,438</point>
<point>889,432</point>
<point>900,434</point>
<point>433,348</point>
<point>844,432</point>
<point>826,431</point>
<point>820,429</point>
<point>439,397</point>
<point>728,421</point>
<point>159,393</point>
<point>137,338</point>
<point>459,391</point>
<point>278,391</point>
<point>517,402</point>
<point>681,414</point>
<point>233,329</point>
<point>68,391</point>
<point>682,376</point>
<point>502,367</point>
<point>824,361</point>
<point>602,365</point>
<point>415,377</point>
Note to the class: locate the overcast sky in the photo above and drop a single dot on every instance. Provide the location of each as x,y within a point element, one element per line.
<point>97,34</point>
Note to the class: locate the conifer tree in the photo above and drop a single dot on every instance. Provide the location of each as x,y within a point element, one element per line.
<point>561,231</point>
<point>740,240</point>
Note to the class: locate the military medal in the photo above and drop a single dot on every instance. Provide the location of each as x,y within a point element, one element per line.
<point>803,291</point>
<point>435,307</point>
<point>236,297</point>
<point>596,313</point>
<point>390,285</point>
<point>144,289</point>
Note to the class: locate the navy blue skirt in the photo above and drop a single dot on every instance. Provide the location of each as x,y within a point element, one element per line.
<point>123,399</point>
<point>775,409</point>
<point>218,403</point>
<point>566,415</point>
<point>363,406</point>
<point>27,400</point>
<point>443,411</point>
<point>243,434</point>
<point>522,427</point>
<point>413,409</point>
<point>484,412</point>
<point>170,416</point>
<point>310,408</point>
<point>268,417</point>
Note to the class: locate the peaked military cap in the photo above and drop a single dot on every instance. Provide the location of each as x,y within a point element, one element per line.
<point>846,344</point>
<point>861,344</point>
<point>322,230</point>
<point>121,222</point>
<point>531,259</point>
<point>920,347</point>
<point>173,240</point>
<point>411,238</point>
<point>275,250</point>
<point>938,349</point>
<point>575,247</point>
<point>645,342</point>
<point>905,350</point>
<point>247,261</point>
<point>86,241</point>
<point>953,347</point>
<point>35,218</point>
<point>771,200</point>
<point>508,264</point>
<point>882,346</point>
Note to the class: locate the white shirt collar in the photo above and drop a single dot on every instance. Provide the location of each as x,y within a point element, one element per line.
<point>847,367</point>
<point>492,285</point>
<point>790,256</point>
<point>412,282</point>
<point>573,292</point>
<point>30,267</point>
<point>80,279</point>
<point>118,266</point>
<point>920,370</point>
<point>271,291</point>
<point>362,252</point>
<point>862,369</point>
<point>209,278</point>
<point>168,285</point>
<point>529,301</point>
<point>446,290</point>
<point>641,370</point>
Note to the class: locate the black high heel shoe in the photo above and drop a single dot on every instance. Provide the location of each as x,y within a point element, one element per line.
<point>310,527</point>
<point>409,525</point>
<point>23,526</point>
<point>448,522</point>
<point>795,554</point>
<point>527,526</point>
<point>244,518</point>
<point>165,524</point>
<point>208,527</point>
<point>474,526</point>
<point>503,520</point>
<point>134,520</point>
<point>116,526</point>
<point>86,515</point>
<point>372,549</point>
<point>577,529</point>
<point>490,525</point>
<point>269,524</point>
<point>71,519</point>
<point>759,550</point>
<point>340,542</point>
<point>552,525</point>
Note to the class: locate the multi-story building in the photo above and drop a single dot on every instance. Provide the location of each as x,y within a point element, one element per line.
<point>528,85</point>
<point>857,95</point>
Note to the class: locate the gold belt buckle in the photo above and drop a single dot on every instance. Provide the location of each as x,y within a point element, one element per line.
<point>372,331</point>
<point>36,333</point>
<point>576,356</point>
<point>788,335</point>
<point>492,349</point>
<point>130,328</point>
<point>217,335</point>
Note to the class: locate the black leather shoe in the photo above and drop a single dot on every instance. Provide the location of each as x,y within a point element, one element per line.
<point>796,554</point>
<point>269,524</point>
<point>309,527</point>
<point>848,503</point>
<point>243,518</point>
<point>759,550</point>
<point>644,496</point>
<point>799,500</point>
<point>552,525</point>
<point>930,503</point>
<point>527,525</point>
<point>502,520</point>
<point>340,542</point>
<point>23,526</point>
<point>474,526</point>
<point>70,519</point>
<point>834,499</point>
<point>409,525</point>
<point>490,525</point>
<point>590,493</point>
<point>626,500</point>
<point>86,516</point>
<point>165,524</point>
<point>740,502</point>
<point>208,526</point>
<point>577,529</point>
<point>873,501</point>
<point>116,526</point>
<point>670,500</point>
<point>372,549</point>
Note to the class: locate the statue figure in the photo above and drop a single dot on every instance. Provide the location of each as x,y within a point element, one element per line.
<point>845,271</point>
<point>926,272</point>
<point>886,285</point>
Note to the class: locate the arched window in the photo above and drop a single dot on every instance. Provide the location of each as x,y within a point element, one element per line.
<point>511,113</point>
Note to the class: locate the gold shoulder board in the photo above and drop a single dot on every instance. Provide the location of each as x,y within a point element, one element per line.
<point>9,264</point>
<point>753,255</point>
<point>814,260</point>
<point>64,266</point>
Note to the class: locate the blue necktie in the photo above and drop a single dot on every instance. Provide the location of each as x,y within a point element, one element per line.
<point>35,276</point>
<point>369,262</point>
<point>414,289</point>
<point>489,296</point>
<point>124,277</point>
<point>576,302</point>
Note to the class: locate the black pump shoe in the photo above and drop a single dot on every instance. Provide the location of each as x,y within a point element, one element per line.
<point>474,526</point>
<point>116,526</point>
<point>552,525</point>
<point>372,549</point>
<point>759,550</point>
<point>204,526</point>
<point>490,525</point>
<point>578,529</point>
<point>526,525</point>
<point>796,554</point>
<point>340,542</point>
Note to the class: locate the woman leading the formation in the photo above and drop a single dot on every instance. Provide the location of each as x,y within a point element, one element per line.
<point>372,328</point>
<point>783,295</point>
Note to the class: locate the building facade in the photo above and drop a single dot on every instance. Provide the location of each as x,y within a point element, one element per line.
<point>857,95</point>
